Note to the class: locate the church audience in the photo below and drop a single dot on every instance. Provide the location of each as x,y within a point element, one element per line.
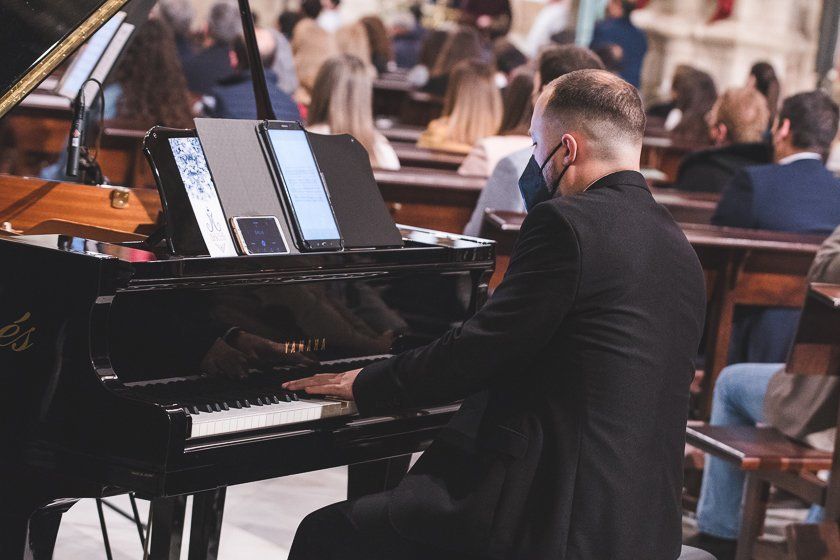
<point>213,63</point>
<point>287,21</point>
<point>329,18</point>
<point>406,40</point>
<point>513,133</point>
<point>462,44</point>
<point>179,14</point>
<point>472,109</point>
<point>430,50</point>
<point>501,191</point>
<point>284,63</point>
<point>311,47</point>
<point>353,40</point>
<point>491,17</point>
<point>803,407</point>
<point>763,78</point>
<point>737,124</point>
<point>797,194</point>
<point>234,98</point>
<point>342,104</point>
<point>381,53</point>
<point>694,96</point>
<point>618,29</point>
<point>149,88</point>
<point>552,19</point>
<point>508,58</point>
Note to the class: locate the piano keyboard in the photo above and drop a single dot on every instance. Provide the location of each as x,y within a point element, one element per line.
<point>207,424</point>
<point>219,406</point>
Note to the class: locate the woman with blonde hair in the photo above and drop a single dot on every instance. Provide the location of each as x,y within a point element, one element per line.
<point>342,103</point>
<point>736,124</point>
<point>472,109</point>
<point>512,136</point>
<point>462,44</point>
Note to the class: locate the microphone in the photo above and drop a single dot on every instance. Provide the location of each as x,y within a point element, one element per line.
<point>77,133</point>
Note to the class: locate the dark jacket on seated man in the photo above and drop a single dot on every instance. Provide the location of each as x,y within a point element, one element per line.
<point>711,169</point>
<point>796,194</point>
<point>234,98</point>
<point>588,391</point>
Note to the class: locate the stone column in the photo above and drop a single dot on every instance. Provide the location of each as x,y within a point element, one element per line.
<point>782,32</point>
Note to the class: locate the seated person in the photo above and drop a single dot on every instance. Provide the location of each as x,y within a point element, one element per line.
<point>802,407</point>
<point>311,47</point>
<point>430,49</point>
<point>406,40</point>
<point>381,53</point>
<point>738,122</point>
<point>575,372</point>
<point>472,109</point>
<point>501,191</point>
<point>342,104</point>
<point>234,98</point>
<point>213,63</point>
<point>352,39</point>
<point>461,44</point>
<point>796,194</point>
<point>617,28</point>
<point>694,96</point>
<point>512,135</point>
<point>491,17</point>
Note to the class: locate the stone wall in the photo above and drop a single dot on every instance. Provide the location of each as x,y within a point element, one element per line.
<point>782,32</point>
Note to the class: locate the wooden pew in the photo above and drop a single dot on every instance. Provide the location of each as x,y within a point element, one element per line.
<point>412,156</point>
<point>665,155</point>
<point>429,198</point>
<point>401,133</point>
<point>28,204</point>
<point>742,267</point>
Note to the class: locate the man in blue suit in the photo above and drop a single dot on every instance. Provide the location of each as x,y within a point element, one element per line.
<point>796,194</point>
<point>617,29</point>
<point>234,98</point>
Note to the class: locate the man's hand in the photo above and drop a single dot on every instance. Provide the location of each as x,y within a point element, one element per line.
<point>339,385</point>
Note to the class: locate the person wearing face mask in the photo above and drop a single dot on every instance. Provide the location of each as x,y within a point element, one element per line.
<point>575,373</point>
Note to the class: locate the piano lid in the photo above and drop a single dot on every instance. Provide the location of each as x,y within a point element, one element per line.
<point>38,35</point>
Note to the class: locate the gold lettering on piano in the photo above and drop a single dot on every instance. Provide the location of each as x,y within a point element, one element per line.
<point>16,336</point>
<point>309,344</point>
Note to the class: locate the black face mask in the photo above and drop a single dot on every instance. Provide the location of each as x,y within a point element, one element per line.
<point>532,183</point>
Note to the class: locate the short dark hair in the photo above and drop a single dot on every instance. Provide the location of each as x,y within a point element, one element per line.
<point>813,120</point>
<point>311,8</point>
<point>598,103</point>
<point>559,60</point>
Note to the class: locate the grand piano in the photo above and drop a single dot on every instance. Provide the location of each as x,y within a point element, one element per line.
<point>125,368</point>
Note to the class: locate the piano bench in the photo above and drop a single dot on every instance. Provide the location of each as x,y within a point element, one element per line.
<point>768,458</point>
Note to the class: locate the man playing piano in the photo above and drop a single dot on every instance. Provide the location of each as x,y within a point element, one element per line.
<point>576,373</point>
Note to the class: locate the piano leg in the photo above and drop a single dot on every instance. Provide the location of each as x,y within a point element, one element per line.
<point>31,536</point>
<point>167,527</point>
<point>376,476</point>
<point>206,525</point>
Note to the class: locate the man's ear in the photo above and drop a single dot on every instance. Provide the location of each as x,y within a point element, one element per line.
<point>782,129</point>
<point>719,133</point>
<point>233,59</point>
<point>570,145</point>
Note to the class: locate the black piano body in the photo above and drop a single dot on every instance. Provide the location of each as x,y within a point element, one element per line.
<point>103,348</point>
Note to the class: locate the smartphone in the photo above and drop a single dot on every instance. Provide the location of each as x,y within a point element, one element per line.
<point>259,235</point>
<point>303,186</point>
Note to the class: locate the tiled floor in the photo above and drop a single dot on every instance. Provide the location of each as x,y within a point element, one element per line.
<point>259,523</point>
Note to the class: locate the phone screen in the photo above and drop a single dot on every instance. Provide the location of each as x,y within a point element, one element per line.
<point>304,187</point>
<point>260,235</point>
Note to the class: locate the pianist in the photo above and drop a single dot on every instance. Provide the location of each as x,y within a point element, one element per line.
<point>576,373</point>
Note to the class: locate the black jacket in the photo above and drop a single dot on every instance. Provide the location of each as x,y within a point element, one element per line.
<point>710,170</point>
<point>571,443</point>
